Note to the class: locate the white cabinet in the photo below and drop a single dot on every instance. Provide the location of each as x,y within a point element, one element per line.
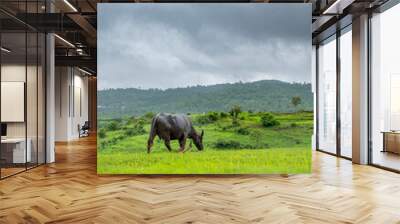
<point>19,155</point>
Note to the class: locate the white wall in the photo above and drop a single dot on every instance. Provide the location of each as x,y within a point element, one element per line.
<point>62,82</point>
<point>71,94</point>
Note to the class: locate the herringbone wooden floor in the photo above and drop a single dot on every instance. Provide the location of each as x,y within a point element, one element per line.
<point>69,191</point>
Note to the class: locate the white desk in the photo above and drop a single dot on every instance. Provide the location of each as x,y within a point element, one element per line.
<point>18,149</point>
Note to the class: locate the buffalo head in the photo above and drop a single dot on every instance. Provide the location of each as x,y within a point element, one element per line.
<point>198,140</point>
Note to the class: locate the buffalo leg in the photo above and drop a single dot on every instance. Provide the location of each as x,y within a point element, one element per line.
<point>168,145</point>
<point>152,135</point>
<point>182,143</point>
<point>150,143</point>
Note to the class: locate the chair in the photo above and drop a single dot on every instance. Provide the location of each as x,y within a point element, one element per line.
<point>84,130</point>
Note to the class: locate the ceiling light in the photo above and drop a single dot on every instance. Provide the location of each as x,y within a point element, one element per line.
<point>333,6</point>
<point>79,51</point>
<point>65,41</point>
<point>70,5</point>
<point>84,71</point>
<point>5,50</point>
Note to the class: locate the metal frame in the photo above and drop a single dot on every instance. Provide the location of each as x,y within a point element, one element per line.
<point>338,98</point>
<point>369,98</point>
<point>316,97</point>
<point>0,93</point>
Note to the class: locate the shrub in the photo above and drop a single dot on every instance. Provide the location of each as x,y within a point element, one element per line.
<point>293,125</point>
<point>131,120</point>
<point>212,116</point>
<point>232,144</point>
<point>243,131</point>
<point>102,133</point>
<point>268,120</point>
<point>130,132</point>
<point>137,129</point>
<point>103,145</point>
<point>235,123</point>
<point>113,125</point>
<point>148,115</point>
<point>227,144</point>
<point>244,116</point>
<point>202,119</point>
<point>223,115</point>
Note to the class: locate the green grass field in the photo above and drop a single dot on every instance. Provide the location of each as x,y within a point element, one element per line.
<point>247,147</point>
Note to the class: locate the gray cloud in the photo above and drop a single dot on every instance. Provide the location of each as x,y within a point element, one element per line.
<point>176,45</point>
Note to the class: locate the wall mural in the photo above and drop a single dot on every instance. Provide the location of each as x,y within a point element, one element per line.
<point>204,88</point>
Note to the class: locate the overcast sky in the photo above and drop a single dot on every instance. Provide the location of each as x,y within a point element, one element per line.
<point>178,45</point>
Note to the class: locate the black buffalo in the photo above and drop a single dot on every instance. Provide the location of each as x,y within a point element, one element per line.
<point>174,127</point>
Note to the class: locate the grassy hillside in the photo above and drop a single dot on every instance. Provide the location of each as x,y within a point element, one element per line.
<point>266,95</point>
<point>255,143</point>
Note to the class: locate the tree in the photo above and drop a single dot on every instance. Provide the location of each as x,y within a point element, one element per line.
<point>234,112</point>
<point>296,100</point>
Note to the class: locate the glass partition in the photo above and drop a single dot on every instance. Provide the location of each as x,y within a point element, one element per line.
<point>346,93</point>
<point>327,95</point>
<point>22,78</point>
<point>14,153</point>
<point>385,89</point>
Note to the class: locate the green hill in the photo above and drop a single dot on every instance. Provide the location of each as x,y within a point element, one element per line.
<point>265,95</point>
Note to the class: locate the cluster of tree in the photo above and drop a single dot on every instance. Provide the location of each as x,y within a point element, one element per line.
<point>267,119</point>
<point>266,95</point>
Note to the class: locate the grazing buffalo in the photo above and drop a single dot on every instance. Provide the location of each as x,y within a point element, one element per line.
<point>174,127</point>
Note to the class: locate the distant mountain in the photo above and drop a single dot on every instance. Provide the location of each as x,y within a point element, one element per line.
<point>266,95</point>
